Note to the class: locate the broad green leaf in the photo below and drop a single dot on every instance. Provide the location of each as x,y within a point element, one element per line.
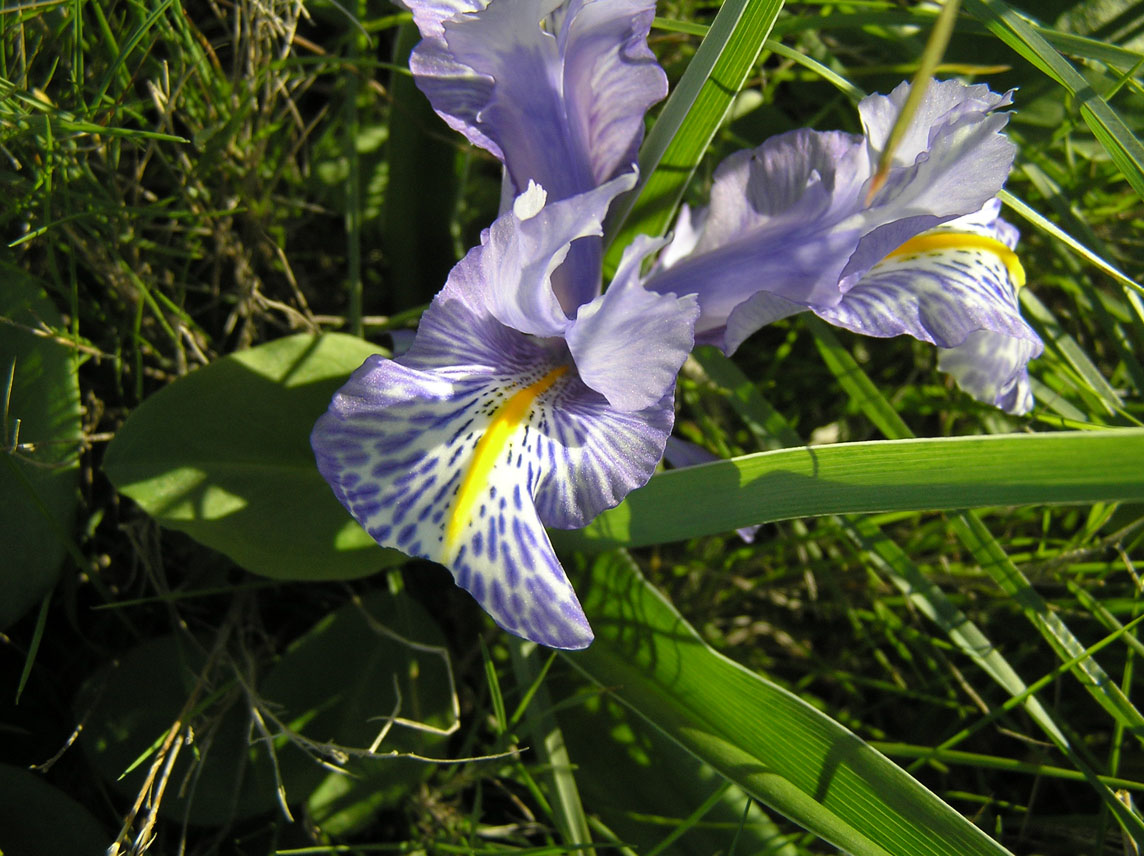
<point>334,686</point>
<point>39,397</point>
<point>888,475</point>
<point>223,454</point>
<point>693,113</point>
<point>766,740</point>
<point>36,818</point>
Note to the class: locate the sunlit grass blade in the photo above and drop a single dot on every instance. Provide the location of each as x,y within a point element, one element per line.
<point>1122,146</point>
<point>690,118</point>
<point>976,759</point>
<point>772,744</point>
<point>931,56</point>
<point>1058,234</point>
<point>905,475</point>
<point>1072,352</point>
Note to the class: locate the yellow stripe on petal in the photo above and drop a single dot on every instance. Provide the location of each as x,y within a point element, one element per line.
<point>937,241</point>
<point>489,449</point>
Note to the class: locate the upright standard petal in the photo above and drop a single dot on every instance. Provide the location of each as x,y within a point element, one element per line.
<point>556,89</point>
<point>464,448</point>
<point>793,225</point>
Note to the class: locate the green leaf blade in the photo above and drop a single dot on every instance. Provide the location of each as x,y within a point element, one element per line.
<point>938,474</point>
<point>764,739</point>
<point>224,455</point>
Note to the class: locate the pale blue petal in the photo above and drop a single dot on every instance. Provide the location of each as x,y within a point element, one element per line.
<point>775,224</point>
<point>992,368</point>
<point>629,343</point>
<point>960,295</point>
<point>511,273</point>
<point>946,105</point>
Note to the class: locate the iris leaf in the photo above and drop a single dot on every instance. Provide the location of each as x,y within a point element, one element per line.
<point>769,742</point>
<point>903,475</point>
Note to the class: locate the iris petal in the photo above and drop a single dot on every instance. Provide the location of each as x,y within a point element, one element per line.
<point>408,454</point>
<point>555,90</point>
<point>955,287</point>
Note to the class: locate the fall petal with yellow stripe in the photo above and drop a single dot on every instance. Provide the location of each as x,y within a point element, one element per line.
<point>798,224</point>
<point>512,411</point>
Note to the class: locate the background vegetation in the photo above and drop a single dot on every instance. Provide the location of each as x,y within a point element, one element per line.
<point>199,654</point>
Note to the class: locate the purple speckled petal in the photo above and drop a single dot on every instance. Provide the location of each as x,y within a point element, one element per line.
<point>399,447</point>
<point>629,343</point>
<point>466,468</point>
<point>955,287</point>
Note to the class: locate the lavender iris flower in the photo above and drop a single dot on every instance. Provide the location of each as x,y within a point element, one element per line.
<point>515,408</point>
<point>790,227</point>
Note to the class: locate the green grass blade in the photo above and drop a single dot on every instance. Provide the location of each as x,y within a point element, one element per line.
<point>548,744</point>
<point>766,740</point>
<point>1055,232</point>
<point>903,475</point>
<point>690,118</point>
<point>1122,146</point>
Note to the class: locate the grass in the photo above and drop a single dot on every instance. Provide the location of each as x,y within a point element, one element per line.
<point>190,180</point>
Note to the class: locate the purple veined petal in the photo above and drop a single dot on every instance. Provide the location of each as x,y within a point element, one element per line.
<point>611,78</point>
<point>629,343</point>
<point>465,448</point>
<point>992,368</point>
<point>955,287</point>
<point>773,225</point>
<point>557,91</point>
